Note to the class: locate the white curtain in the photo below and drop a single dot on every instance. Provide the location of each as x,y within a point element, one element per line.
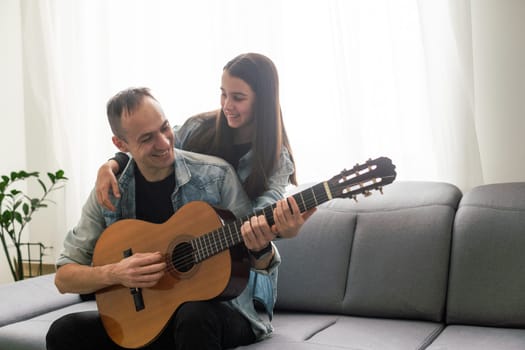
<point>359,79</point>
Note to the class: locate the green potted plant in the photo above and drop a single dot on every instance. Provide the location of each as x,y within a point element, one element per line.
<point>17,209</point>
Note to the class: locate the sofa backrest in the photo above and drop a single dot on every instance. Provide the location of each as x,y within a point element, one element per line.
<point>384,256</point>
<point>487,273</point>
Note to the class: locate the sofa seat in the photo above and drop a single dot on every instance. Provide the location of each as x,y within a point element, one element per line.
<point>30,334</point>
<point>312,331</point>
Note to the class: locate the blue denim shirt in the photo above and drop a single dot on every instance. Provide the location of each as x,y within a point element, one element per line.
<point>197,177</point>
<point>277,182</point>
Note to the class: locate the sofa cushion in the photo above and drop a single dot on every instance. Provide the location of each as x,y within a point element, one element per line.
<point>399,263</point>
<point>31,297</point>
<point>400,253</point>
<point>479,338</point>
<point>313,273</point>
<point>311,331</point>
<point>487,284</point>
<point>31,333</point>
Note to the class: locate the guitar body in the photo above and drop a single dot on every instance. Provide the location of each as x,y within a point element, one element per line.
<point>222,276</point>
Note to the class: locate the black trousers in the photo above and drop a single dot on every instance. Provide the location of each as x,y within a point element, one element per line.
<point>195,326</point>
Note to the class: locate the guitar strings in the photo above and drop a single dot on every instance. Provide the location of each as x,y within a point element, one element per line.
<point>191,253</point>
<point>188,257</point>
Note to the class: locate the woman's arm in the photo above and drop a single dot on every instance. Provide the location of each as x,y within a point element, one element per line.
<point>106,179</point>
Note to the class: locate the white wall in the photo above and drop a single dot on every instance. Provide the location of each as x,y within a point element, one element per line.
<point>12,141</point>
<point>499,78</point>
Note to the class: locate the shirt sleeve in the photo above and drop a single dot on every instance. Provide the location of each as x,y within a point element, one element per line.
<point>80,241</point>
<point>184,132</point>
<point>264,284</point>
<point>277,183</point>
<point>122,159</point>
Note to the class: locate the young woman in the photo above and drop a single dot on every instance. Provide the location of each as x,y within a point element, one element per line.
<point>248,132</point>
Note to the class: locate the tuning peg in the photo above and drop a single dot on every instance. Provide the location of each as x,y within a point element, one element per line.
<point>367,193</point>
<point>380,189</point>
<point>354,197</point>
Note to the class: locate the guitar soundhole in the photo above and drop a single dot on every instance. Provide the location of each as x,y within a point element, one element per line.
<point>182,257</point>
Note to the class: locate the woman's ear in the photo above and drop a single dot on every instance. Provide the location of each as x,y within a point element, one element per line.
<point>120,144</point>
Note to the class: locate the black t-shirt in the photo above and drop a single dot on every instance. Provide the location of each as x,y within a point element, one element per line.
<point>153,199</point>
<point>239,151</point>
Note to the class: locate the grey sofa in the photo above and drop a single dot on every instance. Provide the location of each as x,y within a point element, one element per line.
<point>420,267</point>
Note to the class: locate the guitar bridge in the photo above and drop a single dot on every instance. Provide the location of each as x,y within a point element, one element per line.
<point>136,293</point>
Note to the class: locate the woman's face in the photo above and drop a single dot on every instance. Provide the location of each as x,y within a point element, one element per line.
<point>237,100</point>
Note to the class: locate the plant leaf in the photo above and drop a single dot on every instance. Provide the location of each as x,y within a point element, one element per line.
<point>18,217</point>
<point>60,175</point>
<point>25,208</point>
<point>17,204</point>
<point>34,203</point>
<point>43,185</point>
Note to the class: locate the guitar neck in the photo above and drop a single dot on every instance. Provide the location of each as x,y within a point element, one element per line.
<point>361,179</point>
<point>229,235</point>
<point>307,199</point>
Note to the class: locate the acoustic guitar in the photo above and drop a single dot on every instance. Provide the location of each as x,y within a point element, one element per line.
<point>205,258</point>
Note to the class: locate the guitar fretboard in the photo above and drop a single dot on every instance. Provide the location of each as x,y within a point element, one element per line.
<point>229,235</point>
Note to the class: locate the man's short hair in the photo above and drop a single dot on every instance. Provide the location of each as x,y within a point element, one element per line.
<point>126,101</point>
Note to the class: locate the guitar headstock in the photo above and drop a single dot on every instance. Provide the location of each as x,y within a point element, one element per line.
<point>363,178</point>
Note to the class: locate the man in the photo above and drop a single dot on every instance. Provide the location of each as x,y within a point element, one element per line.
<point>156,183</point>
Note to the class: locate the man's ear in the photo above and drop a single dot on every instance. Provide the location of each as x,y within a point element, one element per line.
<point>120,144</point>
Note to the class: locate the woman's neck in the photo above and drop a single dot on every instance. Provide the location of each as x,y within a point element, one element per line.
<point>243,134</point>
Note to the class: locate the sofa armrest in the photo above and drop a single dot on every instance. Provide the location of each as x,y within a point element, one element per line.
<point>31,297</point>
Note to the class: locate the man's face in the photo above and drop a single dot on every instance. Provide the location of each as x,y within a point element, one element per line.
<point>148,136</point>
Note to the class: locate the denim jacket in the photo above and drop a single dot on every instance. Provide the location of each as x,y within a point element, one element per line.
<point>197,177</point>
<point>277,182</point>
